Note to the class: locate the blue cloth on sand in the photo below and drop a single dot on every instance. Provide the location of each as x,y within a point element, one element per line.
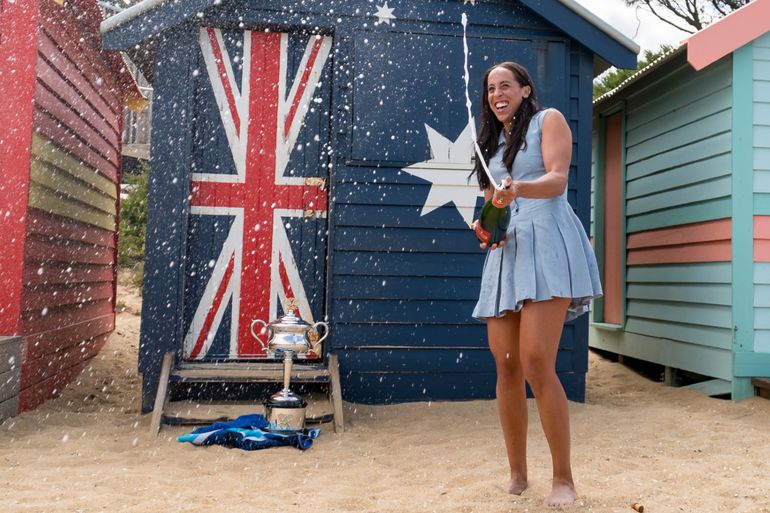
<point>249,432</point>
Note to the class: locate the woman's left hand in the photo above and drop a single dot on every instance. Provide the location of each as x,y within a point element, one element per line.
<point>503,198</point>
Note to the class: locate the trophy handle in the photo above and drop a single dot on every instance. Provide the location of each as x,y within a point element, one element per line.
<point>326,333</point>
<point>263,323</point>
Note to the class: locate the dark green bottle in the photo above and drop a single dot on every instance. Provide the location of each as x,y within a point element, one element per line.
<point>493,223</point>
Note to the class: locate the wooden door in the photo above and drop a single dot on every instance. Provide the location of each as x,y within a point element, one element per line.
<point>256,236</point>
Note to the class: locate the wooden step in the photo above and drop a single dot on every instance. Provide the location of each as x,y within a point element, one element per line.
<point>763,386</point>
<point>245,372</point>
<point>248,373</point>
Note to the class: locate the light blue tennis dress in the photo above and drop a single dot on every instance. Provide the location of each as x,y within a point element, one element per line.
<point>546,253</point>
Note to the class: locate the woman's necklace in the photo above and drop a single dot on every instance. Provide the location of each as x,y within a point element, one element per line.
<point>507,126</point>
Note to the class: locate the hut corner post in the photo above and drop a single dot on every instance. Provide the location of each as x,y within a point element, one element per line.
<point>743,222</point>
<point>18,58</point>
<point>162,329</point>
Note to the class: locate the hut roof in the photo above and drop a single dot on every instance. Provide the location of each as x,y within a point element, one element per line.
<point>90,16</point>
<point>130,27</point>
<point>709,44</point>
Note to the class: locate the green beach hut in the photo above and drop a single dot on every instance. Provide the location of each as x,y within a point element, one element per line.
<point>682,208</point>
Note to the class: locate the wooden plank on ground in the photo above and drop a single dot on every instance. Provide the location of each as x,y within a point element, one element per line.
<point>763,386</point>
<point>712,387</point>
<point>336,393</point>
<point>162,394</point>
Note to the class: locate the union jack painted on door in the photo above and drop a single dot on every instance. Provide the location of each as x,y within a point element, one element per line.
<point>256,243</point>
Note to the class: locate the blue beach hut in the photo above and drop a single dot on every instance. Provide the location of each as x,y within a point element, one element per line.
<point>313,155</point>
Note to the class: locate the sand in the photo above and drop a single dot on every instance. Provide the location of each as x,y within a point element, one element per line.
<point>634,440</point>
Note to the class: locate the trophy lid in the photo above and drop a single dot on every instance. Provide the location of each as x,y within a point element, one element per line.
<point>289,322</point>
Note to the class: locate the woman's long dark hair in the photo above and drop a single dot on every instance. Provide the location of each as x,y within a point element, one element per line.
<point>489,133</point>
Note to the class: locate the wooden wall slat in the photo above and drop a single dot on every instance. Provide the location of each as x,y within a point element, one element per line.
<point>706,315</point>
<point>682,114</point>
<point>712,272</point>
<point>43,297</point>
<point>719,251</point>
<point>57,273</point>
<point>669,138</point>
<point>716,145</point>
<point>63,184</point>
<point>710,336</point>
<point>693,293</point>
<point>83,67</point>
<point>52,79</point>
<point>42,249</point>
<point>686,195</point>
<point>47,101</point>
<point>688,174</point>
<point>52,129</point>
<point>49,201</point>
<point>49,225</point>
<point>46,151</point>
<point>35,393</point>
<point>51,341</point>
<point>59,316</point>
<point>683,234</point>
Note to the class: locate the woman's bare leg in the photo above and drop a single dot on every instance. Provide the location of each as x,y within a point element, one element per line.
<point>511,396</point>
<point>540,331</point>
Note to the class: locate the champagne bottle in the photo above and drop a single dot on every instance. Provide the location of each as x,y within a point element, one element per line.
<point>493,223</point>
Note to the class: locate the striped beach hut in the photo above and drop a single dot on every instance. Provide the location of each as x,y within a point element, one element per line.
<point>313,155</point>
<point>682,208</point>
<point>62,105</point>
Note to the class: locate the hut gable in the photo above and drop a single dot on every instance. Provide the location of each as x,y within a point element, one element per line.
<point>371,202</point>
<point>62,189</point>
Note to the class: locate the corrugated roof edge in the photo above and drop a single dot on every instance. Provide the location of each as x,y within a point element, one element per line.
<point>601,25</point>
<point>129,14</point>
<point>641,73</point>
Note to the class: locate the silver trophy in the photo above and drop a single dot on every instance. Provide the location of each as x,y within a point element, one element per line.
<point>287,336</point>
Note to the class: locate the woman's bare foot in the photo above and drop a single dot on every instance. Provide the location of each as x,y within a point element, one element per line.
<point>562,494</point>
<point>515,485</point>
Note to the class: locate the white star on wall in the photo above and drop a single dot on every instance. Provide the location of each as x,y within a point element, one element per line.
<point>384,14</point>
<point>448,171</point>
<point>472,2</point>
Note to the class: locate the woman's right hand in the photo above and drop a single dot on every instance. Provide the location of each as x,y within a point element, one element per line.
<point>482,244</point>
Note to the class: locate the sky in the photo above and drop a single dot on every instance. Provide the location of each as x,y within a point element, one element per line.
<point>636,23</point>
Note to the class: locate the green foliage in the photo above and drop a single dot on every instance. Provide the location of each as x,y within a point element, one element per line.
<point>691,15</point>
<point>612,79</point>
<point>133,224</point>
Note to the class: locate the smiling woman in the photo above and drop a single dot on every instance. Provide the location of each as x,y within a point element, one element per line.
<point>542,274</point>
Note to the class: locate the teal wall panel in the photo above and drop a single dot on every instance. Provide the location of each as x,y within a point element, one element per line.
<point>702,170</point>
<point>711,272</point>
<point>697,193</point>
<point>761,123</point>
<point>697,212</point>
<point>675,90</point>
<point>678,315</point>
<point>761,163</point>
<point>664,138</point>
<point>701,293</point>
<point>678,148</point>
